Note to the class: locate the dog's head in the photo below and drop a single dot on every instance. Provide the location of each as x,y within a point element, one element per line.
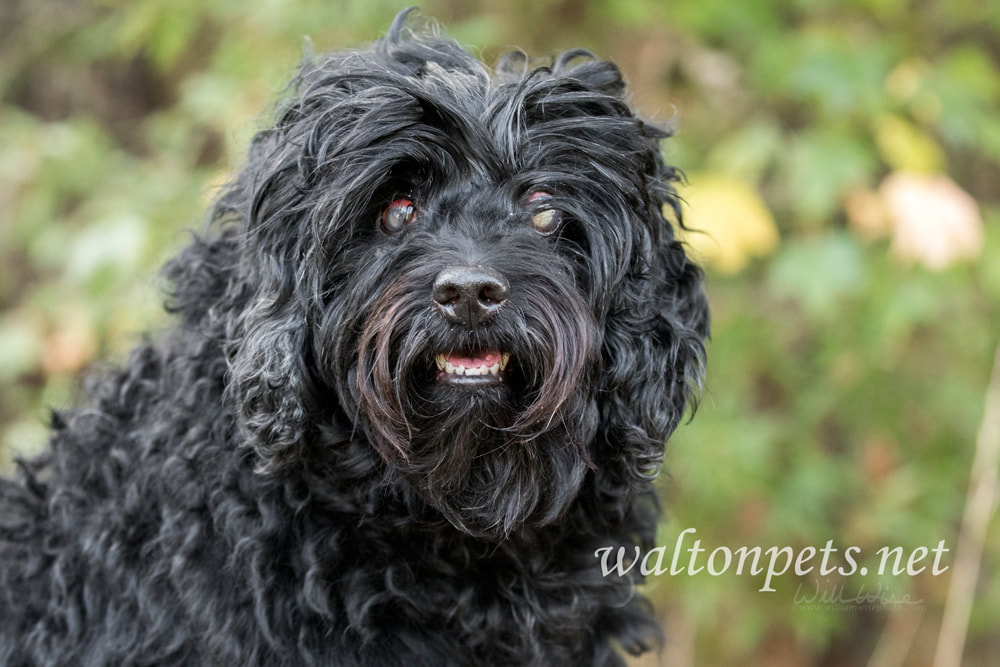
<point>472,271</point>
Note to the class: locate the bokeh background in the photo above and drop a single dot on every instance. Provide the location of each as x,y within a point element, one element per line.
<point>843,160</point>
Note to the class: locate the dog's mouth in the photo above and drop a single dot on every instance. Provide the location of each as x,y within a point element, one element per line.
<point>472,367</point>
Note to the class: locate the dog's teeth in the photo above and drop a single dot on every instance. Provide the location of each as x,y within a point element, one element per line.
<point>445,366</point>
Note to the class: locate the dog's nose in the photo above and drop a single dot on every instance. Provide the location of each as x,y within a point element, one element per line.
<point>470,295</point>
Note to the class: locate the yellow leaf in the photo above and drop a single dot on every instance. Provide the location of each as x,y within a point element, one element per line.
<point>728,220</point>
<point>905,147</point>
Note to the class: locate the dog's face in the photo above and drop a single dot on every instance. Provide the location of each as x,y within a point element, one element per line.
<point>472,272</point>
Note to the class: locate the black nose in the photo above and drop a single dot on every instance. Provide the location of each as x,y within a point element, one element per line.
<point>470,295</point>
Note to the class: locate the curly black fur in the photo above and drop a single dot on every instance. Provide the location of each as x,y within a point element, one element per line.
<point>283,478</point>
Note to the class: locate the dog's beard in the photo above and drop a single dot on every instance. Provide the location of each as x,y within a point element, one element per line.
<point>490,456</point>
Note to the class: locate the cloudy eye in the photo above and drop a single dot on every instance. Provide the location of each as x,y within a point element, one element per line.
<point>545,219</point>
<point>400,213</point>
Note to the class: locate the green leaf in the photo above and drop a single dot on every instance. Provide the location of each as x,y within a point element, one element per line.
<point>820,167</point>
<point>818,272</point>
<point>747,152</point>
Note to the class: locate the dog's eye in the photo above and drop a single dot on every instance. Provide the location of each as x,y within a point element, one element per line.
<point>546,220</point>
<point>400,213</point>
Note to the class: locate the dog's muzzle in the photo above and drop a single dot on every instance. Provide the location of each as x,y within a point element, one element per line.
<point>471,296</point>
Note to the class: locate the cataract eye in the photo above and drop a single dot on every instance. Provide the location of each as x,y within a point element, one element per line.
<point>400,213</point>
<point>545,220</point>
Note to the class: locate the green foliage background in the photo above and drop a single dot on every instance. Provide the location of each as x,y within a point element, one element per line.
<point>846,379</point>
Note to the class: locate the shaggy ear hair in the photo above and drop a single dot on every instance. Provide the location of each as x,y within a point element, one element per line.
<point>657,315</point>
<point>268,350</point>
<point>654,343</point>
<point>270,384</point>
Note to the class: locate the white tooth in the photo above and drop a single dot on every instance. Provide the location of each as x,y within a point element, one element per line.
<point>461,370</point>
<point>504,360</point>
<point>473,370</point>
<point>448,368</point>
<point>494,369</point>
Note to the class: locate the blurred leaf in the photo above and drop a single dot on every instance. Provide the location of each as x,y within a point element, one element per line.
<point>735,21</point>
<point>157,28</point>
<point>904,147</point>
<point>730,222</point>
<point>819,271</point>
<point>747,152</point>
<point>840,70</point>
<point>972,69</point>
<point>935,222</point>
<point>966,88</point>
<point>736,455</point>
<point>912,305</point>
<point>174,32</point>
<point>821,166</point>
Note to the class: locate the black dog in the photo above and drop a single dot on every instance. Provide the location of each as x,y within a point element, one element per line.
<point>424,365</point>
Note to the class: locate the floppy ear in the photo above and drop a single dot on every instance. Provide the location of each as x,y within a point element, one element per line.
<point>654,343</point>
<point>269,383</point>
<point>647,291</point>
<point>268,349</point>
